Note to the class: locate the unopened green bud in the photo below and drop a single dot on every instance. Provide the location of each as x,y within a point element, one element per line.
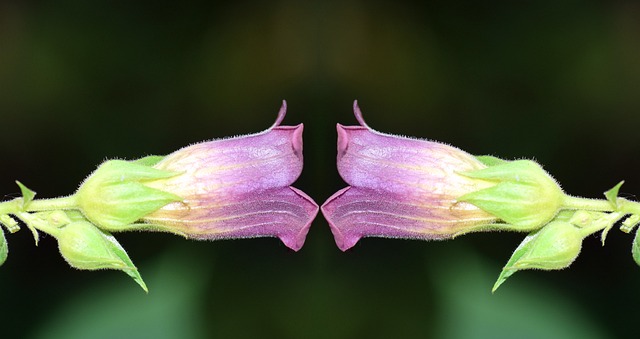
<point>86,247</point>
<point>116,194</point>
<point>524,195</point>
<point>553,247</point>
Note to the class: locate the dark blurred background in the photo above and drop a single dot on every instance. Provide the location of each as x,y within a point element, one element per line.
<point>81,82</point>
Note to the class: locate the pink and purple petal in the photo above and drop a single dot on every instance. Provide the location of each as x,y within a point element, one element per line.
<point>355,213</point>
<point>284,212</point>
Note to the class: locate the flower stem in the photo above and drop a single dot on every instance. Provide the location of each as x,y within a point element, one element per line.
<point>16,206</point>
<point>601,205</point>
<point>64,203</point>
<point>577,203</point>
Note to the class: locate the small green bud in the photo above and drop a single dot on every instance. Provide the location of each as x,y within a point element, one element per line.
<point>86,247</point>
<point>553,247</point>
<point>115,195</point>
<point>524,195</point>
<point>58,218</point>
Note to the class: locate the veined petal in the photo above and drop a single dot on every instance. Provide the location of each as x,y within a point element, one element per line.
<point>356,212</point>
<point>285,213</point>
<point>421,168</point>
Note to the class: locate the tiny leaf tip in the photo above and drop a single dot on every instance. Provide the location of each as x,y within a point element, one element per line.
<point>612,194</point>
<point>27,194</point>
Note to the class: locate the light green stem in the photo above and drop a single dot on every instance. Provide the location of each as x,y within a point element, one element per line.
<point>64,203</point>
<point>601,205</point>
<point>15,206</point>
<point>585,204</point>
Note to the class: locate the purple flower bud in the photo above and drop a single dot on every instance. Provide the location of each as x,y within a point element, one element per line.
<point>238,188</point>
<point>401,188</point>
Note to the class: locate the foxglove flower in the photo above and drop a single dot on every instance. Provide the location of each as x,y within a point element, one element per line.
<point>418,189</point>
<point>229,188</point>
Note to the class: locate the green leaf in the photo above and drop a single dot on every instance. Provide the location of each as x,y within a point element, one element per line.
<point>635,248</point>
<point>27,195</point>
<point>612,195</point>
<point>4,250</point>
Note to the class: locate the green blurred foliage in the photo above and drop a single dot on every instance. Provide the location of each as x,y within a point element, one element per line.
<point>82,81</point>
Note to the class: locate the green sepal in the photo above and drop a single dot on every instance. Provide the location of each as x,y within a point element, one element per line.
<point>553,247</point>
<point>612,195</point>
<point>524,195</point>
<point>121,170</point>
<point>498,200</point>
<point>525,171</point>
<point>115,195</point>
<point>86,247</point>
<point>635,247</point>
<point>4,249</point>
<point>489,160</point>
<point>150,160</point>
<point>27,195</point>
<point>121,204</point>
